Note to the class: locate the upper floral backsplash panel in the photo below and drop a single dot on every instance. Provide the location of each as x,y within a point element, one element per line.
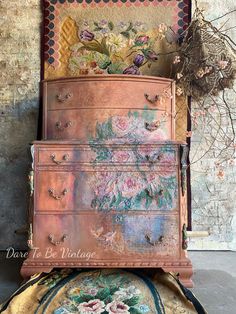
<point>114,37</point>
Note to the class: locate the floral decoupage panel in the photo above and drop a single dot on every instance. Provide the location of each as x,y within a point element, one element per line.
<point>95,37</point>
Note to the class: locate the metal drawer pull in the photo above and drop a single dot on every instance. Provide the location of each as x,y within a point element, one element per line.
<point>153,99</point>
<point>154,243</point>
<point>51,238</point>
<point>61,127</point>
<point>63,98</point>
<point>152,126</point>
<point>58,162</point>
<point>150,194</point>
<point>57,197</point>
<point>154,158</point>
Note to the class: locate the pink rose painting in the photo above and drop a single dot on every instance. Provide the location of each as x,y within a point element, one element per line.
<point>120,156</point>
<point>91,307</point>
<point>130,185</point>
<point>122,125</point>
<point>117,307</point>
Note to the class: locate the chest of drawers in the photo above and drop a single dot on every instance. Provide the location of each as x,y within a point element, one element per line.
<point>110,205</point>
<point>126,106</point>
<point>109,178</point>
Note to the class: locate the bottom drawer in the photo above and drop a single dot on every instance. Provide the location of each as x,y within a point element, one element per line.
<point>90,237</point>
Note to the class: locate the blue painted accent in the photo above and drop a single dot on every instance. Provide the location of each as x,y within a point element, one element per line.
<point>156,296</point>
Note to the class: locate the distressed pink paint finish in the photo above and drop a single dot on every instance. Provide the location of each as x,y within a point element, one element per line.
<point>74,107</point>
<point>138,230</point>
<point>108,178</point>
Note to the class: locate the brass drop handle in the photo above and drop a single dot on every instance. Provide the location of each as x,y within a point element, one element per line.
<point>151,99</point>
<point>52,240</point>
<point>154,159</point>
<point>58,162</point>
<point>153,195</point>
<point>152,242</point>
<point>64,98</point>
<point>152,126</point>
<point>61,127</point>
<point>55,196</point>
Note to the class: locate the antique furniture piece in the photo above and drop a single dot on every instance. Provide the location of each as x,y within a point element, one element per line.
<point>115,205</point>
<point>109,178</point>
<point>77,108</point>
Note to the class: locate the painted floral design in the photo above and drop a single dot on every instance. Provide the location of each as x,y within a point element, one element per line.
<point>104,47</point>
<point>91,307</point>
<point>117,307</point>
<point>123,191</point>
<point>103,293</point>
<point>131,128</point>
<point>137,190</point>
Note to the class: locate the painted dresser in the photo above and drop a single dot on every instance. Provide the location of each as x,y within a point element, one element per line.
<point>109,178</point>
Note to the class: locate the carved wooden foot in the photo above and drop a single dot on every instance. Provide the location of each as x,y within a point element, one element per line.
<point>184,274</point>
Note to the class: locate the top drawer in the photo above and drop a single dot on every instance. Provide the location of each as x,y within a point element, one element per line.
<point>111,91</point>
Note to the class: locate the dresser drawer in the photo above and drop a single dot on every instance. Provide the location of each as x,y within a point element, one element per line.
<point>109,92</point>
<point>108,124</point>
<point>105,237</point>
<point>107,154</point>
<point>118,189</point>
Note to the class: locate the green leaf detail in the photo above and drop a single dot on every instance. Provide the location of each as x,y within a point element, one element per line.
<point>114,289</point>
<point>82,298</point>
<point>96,46</point>
<point>132,301</point>
<point>111,25</point>
<point>108,299</point>
<point>133,310</point>
<point>125,34</point>
<point>97,29</point>
<point>103,294</point>
<point>129,27</point>
<point>149,115</point>
<point>115,68</point>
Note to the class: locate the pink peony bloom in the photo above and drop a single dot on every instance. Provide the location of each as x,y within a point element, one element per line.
<point>130,185</point>
<point>91,307</point>
<point>117,307</point>
<point>121,126</point>
<point>120,156</point>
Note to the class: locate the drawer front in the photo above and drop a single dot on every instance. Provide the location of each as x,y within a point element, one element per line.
<point>105,191</point>
<point>105,237</point>
<point>107,94</point>
<point>107,125</point>
<point>105,154</point>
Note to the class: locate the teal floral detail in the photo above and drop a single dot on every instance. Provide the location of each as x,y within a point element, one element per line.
<point>106,293</point>
<point>125,191</point>
<point>130,128</point>
<point>144,308</point>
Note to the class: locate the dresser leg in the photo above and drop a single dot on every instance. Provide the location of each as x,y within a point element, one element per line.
<point>184,273</point>
<point>28,270</point>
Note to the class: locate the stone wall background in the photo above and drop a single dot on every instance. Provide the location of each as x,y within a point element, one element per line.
<point>213,187</point>
<point>214,205</point>
<point>19,102</point>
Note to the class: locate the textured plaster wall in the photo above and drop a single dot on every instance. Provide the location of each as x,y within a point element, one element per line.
<point>213,195</point>
<point>214,205</point>
<point>19,91</point>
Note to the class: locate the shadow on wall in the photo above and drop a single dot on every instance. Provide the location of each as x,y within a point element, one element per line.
<point>18,128</point>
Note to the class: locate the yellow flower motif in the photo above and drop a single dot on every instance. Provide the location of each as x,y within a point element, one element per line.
<point>116,42</point>
<point>75,291</point>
